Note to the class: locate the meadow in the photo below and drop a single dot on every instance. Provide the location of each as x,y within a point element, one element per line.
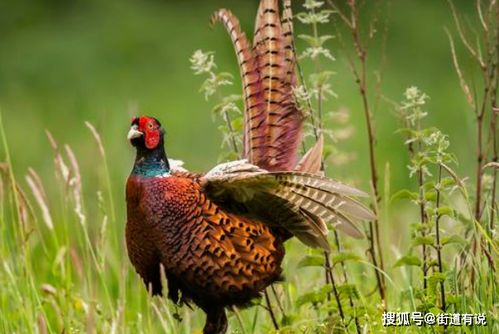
<point>406,99</point>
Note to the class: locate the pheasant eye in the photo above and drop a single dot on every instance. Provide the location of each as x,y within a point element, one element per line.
<point>150,126</point>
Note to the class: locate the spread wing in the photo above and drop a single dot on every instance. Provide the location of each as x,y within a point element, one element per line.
<point>298,202</point>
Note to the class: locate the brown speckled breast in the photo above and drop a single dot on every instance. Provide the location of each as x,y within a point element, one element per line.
<point>212,255</point>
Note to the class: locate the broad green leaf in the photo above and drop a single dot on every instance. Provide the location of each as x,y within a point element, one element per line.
<point>454,239</point>
<point>319,79</point>
<point>425,307</point>
<point>430,185</point>
<point>315,41</point>
<point>314,297</point>
<point>227,156</point>
<point>408,260</point>
<point>223,128</point>
<point>224,76</point>
<point>420,240</point>
<point>311,40</point>
<point>453,299</point>
<point>328,150</point>
<point>288,319</point>
<point>437,277</point>
<point>430,196</point>
<point>349,290</point>
<point>237,124</point>
<point>311,261</point>
<point>445,211</point>
<point>345,256</point>
<point>464,219</point>
<point>435,310</point>
<point>407,131</point>
<point>447,181</point>
<point>404,194</point>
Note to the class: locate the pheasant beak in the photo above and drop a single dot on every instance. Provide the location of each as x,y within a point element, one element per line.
<point>134,133</point>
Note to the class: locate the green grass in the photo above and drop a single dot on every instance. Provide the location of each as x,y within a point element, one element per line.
<point>75,276</point>
<point>63,261</point>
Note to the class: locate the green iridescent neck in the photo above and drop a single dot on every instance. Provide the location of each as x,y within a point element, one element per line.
<point>151,163</point>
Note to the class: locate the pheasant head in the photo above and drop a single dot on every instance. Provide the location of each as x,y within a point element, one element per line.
<point>145,132</point>
<point>147,136</point>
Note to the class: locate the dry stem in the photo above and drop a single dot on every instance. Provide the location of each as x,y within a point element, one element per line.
<point>487,63</point>
<point>360,75</point>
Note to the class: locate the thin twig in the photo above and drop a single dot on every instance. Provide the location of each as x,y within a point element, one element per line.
<point>278,300</point>
<point>423,217</point>
<point>271,311</point>
<point>464,86</point>
<point>463,38</point>
<point>232,133</point>
<point>345,279</point>
<point>438,245</point>
<point>333,284</point>
<point>327,275</point>
<point>360,76</point>
<point>493,126</point>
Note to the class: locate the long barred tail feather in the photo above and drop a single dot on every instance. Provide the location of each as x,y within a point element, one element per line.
<point>268,48</point>
<point>255,120</point>
<point>273,47</point>
<point>289,47</point>
<point>273,122</point>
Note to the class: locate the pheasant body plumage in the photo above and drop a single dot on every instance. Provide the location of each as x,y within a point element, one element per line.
<point>219,257</point>
<point>219,236</point>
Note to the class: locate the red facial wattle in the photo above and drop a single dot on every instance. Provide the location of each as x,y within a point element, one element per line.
<point>149,127</point>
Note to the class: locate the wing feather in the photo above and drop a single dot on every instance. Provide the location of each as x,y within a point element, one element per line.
<point>299,202</point>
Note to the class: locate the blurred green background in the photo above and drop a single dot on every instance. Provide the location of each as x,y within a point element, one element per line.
<point>66,62</point>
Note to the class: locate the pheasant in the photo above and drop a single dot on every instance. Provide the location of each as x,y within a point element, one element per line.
<point>219,236</point>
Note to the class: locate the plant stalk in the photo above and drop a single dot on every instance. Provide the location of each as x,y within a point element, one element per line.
<point>335,290</point>
<point>360,76</point>
<point>271,311</point>
<point>438,245</point>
